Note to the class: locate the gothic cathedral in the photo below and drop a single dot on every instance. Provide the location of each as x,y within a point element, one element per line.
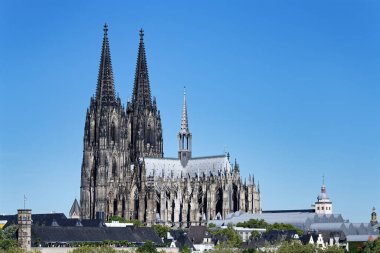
<point>125,173</point>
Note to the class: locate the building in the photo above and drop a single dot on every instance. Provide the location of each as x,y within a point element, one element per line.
<point>125,173</point>
<point>323,205</point>
<point>374,217</point>
<point>322,227</point>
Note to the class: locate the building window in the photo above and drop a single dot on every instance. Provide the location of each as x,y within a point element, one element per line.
<point>113,132</point>
<point>114,168</point>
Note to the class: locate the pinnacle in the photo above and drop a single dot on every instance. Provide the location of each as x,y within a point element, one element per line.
<point>184,120</point>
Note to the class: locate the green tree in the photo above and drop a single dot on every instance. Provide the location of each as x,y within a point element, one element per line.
<point>255,234</point>
<point>211,225</point>
<point>137,223</point>
<point>256,223</point>
<point>147,247</point>
<point>233,237</point>
<point>332,249</point>
<point>117,218</point>
<point>225,248</point>
<point>91,249</point>
<point>185,249</point>
<point>7,238</point>
<point>372,246</point>
<point>296,248</point>
<point>253,223</point>
<point>161,231</point>
<point>282,226</point>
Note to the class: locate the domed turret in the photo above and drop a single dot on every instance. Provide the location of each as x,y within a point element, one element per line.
<point>323,204</point>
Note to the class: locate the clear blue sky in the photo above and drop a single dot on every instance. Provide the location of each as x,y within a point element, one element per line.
<point>291,88</point>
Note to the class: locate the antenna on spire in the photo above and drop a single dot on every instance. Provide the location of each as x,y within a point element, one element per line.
<point>323,179</point>
<point>184,90</point>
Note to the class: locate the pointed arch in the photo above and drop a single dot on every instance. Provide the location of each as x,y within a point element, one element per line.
<point>113,131</point>
<point>114,167</point>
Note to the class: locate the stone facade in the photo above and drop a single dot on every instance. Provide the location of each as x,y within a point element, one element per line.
<point>24,221</point>
<point>124,171</point>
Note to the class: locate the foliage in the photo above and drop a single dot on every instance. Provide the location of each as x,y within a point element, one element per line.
<point>331,249</point>
<point>211,225</point>
<point>282,226</point>
<point>147,247</point>
<point>372,246</point>
<point>118,218</point>
<point>161,231</point>
<point>225,248</point>
<point>296,248</point>
<point>253,223</point>
<point>256,223</point>
<point>185,249</point>
<point>255,234</point>
<point>137,223</point>
<point>355,247</point>
<point>7,238</point>
<point>233,237</point>
<point>89,249</point>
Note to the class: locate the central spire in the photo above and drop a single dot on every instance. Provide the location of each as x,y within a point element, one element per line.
<point>105,90</point>
<point>184,135</point>
<point>141,89</point>
<point>184,120</point>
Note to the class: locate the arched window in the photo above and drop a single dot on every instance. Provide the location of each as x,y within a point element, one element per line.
<point>114,168</point>
<point>113,132</point>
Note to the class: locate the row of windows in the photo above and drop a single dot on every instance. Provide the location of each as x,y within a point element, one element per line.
<point>322,208</point>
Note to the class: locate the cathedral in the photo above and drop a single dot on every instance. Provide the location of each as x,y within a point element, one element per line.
<point>124,171</point>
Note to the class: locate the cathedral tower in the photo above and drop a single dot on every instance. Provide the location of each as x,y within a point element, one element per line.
<point>105,157</point>
<point>184,136</point>
<point>144,118</point>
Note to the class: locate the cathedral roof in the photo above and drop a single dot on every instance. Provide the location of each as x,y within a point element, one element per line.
<point>172,167</point>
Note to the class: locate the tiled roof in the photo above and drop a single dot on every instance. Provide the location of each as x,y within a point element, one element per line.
<point>93,234</point>
<point>38,219</point>
<point>197,233</point>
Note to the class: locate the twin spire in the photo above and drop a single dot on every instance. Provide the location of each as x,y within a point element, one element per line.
<point>105,90</point>
<point>141,88</point>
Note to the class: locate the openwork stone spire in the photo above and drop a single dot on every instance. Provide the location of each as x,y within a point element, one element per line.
<point>184,120</point>
<point>141,90</point>
<point>105,90</point>
<point>184,136</point>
